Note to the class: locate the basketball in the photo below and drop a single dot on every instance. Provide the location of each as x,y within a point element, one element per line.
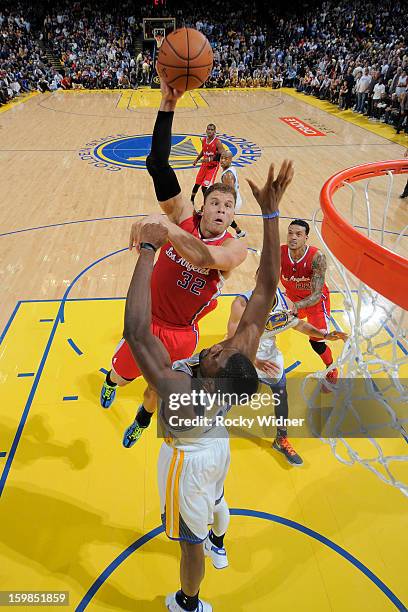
<point>185,59</point>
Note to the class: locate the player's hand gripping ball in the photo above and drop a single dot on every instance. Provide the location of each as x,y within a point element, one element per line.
<point>185,59</point>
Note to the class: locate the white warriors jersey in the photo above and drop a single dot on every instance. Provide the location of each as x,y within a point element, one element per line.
<point>205,430</point>
<point>279,320</point>
<point>235,175</point>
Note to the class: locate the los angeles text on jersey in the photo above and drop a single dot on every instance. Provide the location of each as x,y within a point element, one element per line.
<point>302,282</point>
<point>174,256</point>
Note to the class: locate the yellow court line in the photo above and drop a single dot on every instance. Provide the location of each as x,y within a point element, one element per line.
<point>381,129</point>
<point>20,100</point>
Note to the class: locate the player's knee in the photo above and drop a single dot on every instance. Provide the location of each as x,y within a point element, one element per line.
<point>191,551</point>
<point>154,168</point>
<point>318,347</point>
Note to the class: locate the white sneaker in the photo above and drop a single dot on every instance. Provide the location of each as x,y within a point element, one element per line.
<point>218,555</point>
<point>241,234</point>
<point>172,605</point>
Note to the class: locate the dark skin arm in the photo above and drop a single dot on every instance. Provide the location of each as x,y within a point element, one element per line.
<point>148,351</point>
<point>252,323</point>
<point>319,267</point>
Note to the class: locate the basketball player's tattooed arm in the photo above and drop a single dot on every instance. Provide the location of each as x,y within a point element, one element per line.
<point>148,351</point>
<point>319,266</point>
<point>252,323</point>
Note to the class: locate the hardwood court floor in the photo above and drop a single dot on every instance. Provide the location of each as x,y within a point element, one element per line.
<point>324,537</point>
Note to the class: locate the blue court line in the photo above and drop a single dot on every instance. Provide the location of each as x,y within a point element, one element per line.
<point>294,365</point>
<point>3,454</point>
<point>24,374</point>
<point>61,311</point>
<point>387,329</point>
<point>256,215</point>
<point>74,346</point>
<point>399,344</point>
<point>59,318</point>
<point>93,299</point>
<point>69,398</point>
<point>46,320</point>
<point>103,371</point>
<point>252,514</point>
<point>39,227</point>
<point>336,326</point>
<point>27,407</point>
<point>9,322</point>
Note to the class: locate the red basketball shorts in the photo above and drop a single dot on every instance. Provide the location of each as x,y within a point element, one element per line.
<point>180,342</point>
<point>206,174</point>
<point>317,315</point>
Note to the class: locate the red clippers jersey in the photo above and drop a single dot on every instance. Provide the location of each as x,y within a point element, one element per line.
<point>183,293</point>
<point>296,276</point>
<point>209,150</point>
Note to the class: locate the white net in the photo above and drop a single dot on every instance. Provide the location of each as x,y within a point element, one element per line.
<point>364,418</point>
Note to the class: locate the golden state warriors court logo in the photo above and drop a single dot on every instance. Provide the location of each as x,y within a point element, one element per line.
<point>122,151</point>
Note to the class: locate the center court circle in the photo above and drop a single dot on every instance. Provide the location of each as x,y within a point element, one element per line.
<point>253,514</point>
<point>131,151</point>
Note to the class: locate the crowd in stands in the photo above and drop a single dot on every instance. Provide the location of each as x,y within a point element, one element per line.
<point>350,53</point>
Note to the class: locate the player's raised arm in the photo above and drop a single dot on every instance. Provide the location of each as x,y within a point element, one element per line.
<point>166,185</point>
<point>252,323</point>
<point>148,351</point>
<point>237,310</point>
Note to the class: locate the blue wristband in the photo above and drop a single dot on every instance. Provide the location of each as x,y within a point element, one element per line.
<point>272,215</point>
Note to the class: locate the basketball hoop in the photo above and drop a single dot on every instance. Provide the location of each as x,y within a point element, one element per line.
<point>381,269</point>
<point>364,417</point>
<point>158,35</point>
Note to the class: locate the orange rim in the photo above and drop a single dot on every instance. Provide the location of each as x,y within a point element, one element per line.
<point>378,267</point>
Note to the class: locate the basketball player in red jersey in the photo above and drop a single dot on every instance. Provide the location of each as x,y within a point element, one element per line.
<point>303,270</point>
<point>211,151</point>
<point>190,268</point>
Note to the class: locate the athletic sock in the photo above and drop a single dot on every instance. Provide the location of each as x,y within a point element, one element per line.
<point>186,602</point>
<point>327,357</point>
<point>109,381</point>
<point>218,541</point>
<point>143,417</point>
<point>281,432</point>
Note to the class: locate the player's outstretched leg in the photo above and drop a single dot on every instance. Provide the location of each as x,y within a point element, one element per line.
<point>214,543</point>
<point>109,387</point>
<point>281,442</point>
<point>134,432</point>
<point>240,233</point>
<point>326,356</point>
<point>191,575</point>
<point>194,193</point>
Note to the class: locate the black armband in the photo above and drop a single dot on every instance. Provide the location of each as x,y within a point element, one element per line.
<point>148,246</point>
<point>164,178</point>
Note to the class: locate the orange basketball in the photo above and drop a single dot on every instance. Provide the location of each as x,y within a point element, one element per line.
<point>185,59</point>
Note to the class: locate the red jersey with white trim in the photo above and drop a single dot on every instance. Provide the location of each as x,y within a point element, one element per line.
<point>296,276</point>
<point>209,150</point>
<point>182,293</point>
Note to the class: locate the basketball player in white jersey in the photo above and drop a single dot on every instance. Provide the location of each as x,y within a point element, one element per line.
<point>194,457</point>
<point>269,359</point>
<point>229,177</point>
